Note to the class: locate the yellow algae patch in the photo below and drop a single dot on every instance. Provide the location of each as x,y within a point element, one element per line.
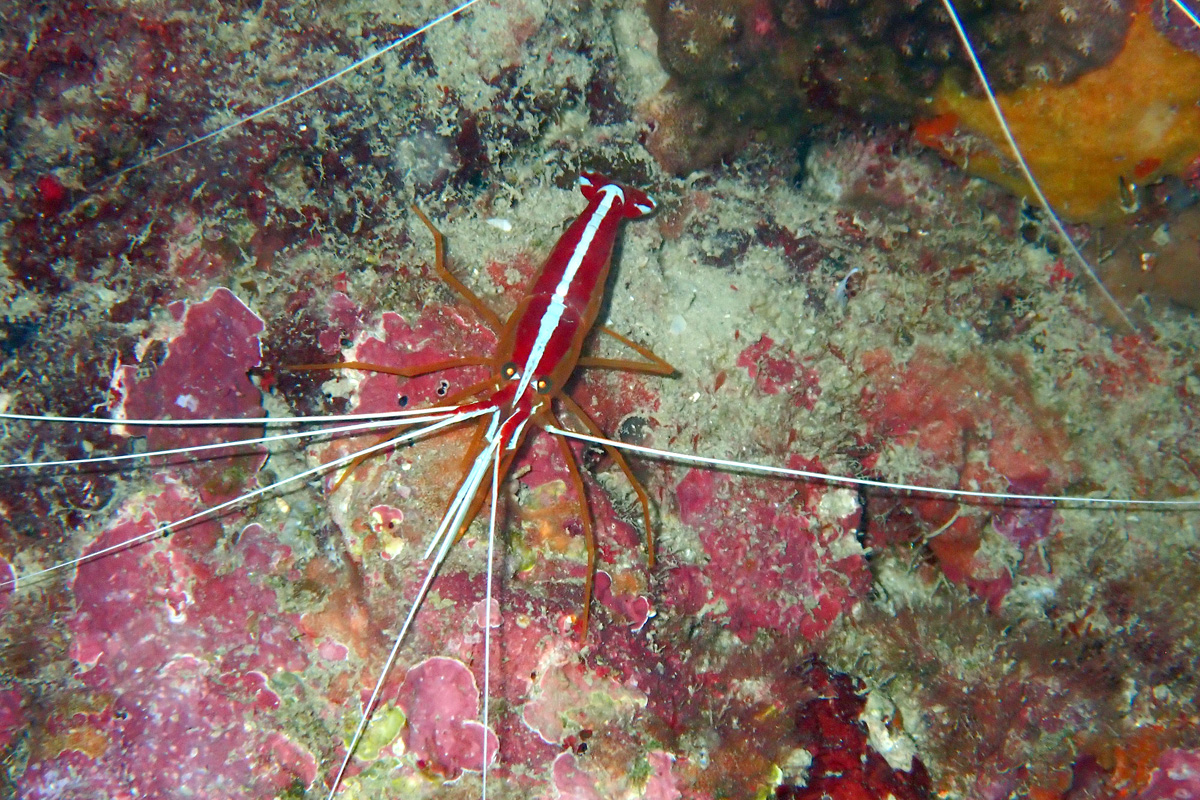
<point>386,725</point>
<point>1134,120</point>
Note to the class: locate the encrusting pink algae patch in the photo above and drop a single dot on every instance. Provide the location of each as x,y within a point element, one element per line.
<point>12,718</point>
<point>569,697</point>
<point>204,373</point>
<point>203,376</point>
<point>775,372</point>
<point>185,653</point>
<point>792,565</point>
<point>441,701</point>
<point>179,650</point>
<point>572,783</point>
<point>429,339</point>
<point>1176,778</point>
<point>945,411</point>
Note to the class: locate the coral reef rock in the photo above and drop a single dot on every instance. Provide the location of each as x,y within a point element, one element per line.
<point>787,63</point>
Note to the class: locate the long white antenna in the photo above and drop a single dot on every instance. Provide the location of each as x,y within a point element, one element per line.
<point>442,541</point>
<point>487,622</point>
<point>321,419</point>
<point>826,477</point>
<point>367,59</point>
<point>1024,165</point>
<point>237,501</point>
<point>317,433</point>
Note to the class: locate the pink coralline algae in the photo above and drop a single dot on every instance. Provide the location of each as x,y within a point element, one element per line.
<point>175,659</point>
<point>634,608</point>
<point>12,718</point>
<point>791,565</point>
<point>174,650</point>
<point>432,337</point>
<point>134,608</point>
<point>203,376</point>
<point>346,319</point>
<point>662,784</point>
<point>572,783</point>
<point>171,659</point>
<point>441,701</point>
<point>844,765</point>
<point>570,696</point>
<point>1025,525</point>
<point>1133,364</point>
<point>6,576</point>
<point>1177,777</point>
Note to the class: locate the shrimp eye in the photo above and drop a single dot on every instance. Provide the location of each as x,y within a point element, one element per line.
<point>509,370</point>
<point>542,385</point>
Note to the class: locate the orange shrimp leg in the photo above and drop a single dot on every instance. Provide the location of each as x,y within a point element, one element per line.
<point>589,532</point>
<point>653,365</point>
<point>403,372</point>
<point>623,463</point>
<point>491,318</point>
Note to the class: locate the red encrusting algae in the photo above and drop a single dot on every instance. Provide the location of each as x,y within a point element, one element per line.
<point>946,412</point>
<point>844,766</point>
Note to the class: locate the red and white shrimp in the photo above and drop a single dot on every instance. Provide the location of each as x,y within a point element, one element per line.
<point>229,659</point>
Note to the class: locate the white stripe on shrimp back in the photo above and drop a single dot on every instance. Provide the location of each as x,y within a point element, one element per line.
<point>557,306</point>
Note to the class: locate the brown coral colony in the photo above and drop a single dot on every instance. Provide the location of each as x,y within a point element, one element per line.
<point>789,63</point>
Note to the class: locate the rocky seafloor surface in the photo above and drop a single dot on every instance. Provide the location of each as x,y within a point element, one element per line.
<point>856,305</point>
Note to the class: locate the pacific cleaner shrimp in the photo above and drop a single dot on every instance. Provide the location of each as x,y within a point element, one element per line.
<point>231,658</point>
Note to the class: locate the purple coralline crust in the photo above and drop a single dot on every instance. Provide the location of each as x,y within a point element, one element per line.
<point>1180,30</point>
<point>181,730</point>
<point>662,784</point>
<point>774,372</point>
<point>346,318</point>
<point>175,650</point>
<point>1176,778</point>
<point>433,337</point>
<point>12,717</point>
<point>204,373</point>
<point>571,782</point>
<point>634,608</point>
<point>1025,526</point>
<point>938,407</point>
<point>6,576</point>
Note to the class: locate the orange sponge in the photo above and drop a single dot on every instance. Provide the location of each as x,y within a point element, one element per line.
<point>1135,120</point>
